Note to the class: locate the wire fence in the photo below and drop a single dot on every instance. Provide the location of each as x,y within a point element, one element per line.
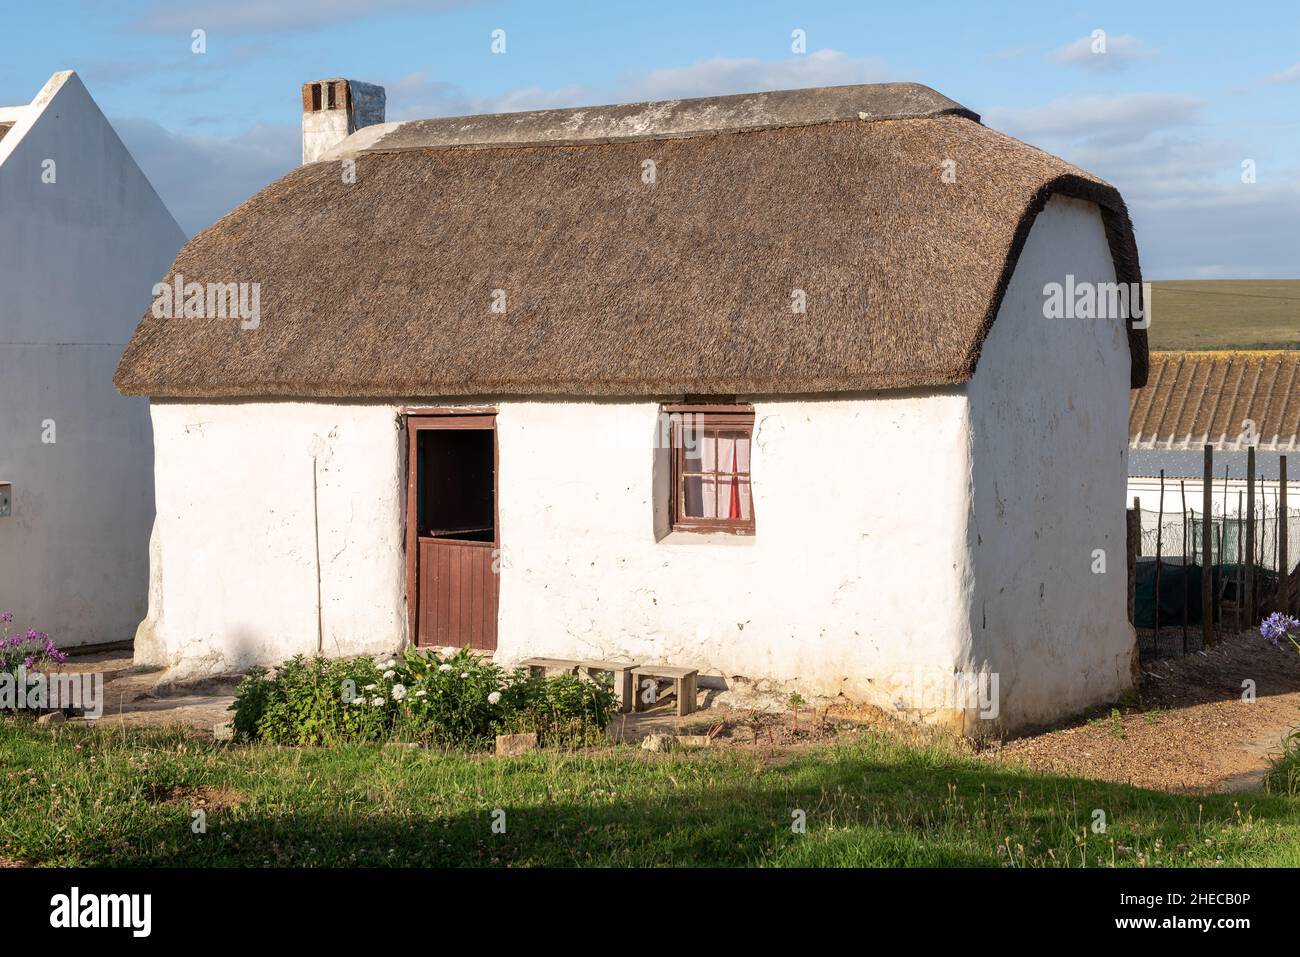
<point>1180,534</point>
<point>1243,577</point>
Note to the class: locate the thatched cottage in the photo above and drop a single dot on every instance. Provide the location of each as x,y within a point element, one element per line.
<point>762,385</point>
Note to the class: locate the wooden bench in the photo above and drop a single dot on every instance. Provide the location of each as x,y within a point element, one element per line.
<point>544,666</point>
<point>621,671</point>
<point>684,686</point>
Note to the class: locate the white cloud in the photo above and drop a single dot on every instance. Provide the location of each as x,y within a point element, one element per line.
<point>1290,75</point>
<point>1098,119</point>
<point>418,95</point>
<point>264,16</point>
<point>723,75</point>
<point>1103,53</point>
<point>201,178</point>
<point>1193,215</point>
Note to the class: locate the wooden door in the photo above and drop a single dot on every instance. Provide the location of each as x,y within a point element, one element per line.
<point>452,536</point>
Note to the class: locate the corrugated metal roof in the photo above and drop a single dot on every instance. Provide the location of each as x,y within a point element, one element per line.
<point>1219,398</point>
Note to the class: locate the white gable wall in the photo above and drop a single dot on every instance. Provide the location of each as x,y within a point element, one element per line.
<point>78,257</point>
<point>1049,413</point>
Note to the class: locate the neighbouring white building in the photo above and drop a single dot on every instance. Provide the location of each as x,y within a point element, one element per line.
<point>1232,401</point>
<point>758,384</point>
<point>83,236</point>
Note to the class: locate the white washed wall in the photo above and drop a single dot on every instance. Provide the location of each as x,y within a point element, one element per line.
<point>853,574</point>
<point>1049,408</point>
<point>78,257</point>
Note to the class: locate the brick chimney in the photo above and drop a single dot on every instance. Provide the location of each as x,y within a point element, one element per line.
<point>333,110</point>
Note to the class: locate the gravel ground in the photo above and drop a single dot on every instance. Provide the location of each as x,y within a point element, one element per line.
<point>1191,732</point>
<point>130,697</point>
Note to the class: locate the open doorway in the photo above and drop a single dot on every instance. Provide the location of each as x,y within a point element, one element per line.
<point>452,535</point>
<point>456,484</point>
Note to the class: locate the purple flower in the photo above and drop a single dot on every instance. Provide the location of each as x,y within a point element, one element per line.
<point>1278,626</point>
<point>7,617</point>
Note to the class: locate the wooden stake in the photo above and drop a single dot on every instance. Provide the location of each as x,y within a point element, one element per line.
<point>1160,522</point>
<point>1283,565</point>
<point>1182,491</point>
<point>1250,536</point>
<point>1223,522</point>
<point>1241,588</point>
<point>1207,547</point>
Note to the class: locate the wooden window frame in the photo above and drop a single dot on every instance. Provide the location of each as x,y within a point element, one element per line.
<point>729,418</point>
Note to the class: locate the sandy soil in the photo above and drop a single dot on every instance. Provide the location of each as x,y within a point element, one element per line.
<point>1192,731</point>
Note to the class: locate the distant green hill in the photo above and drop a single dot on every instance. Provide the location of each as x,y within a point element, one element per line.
<point>1225,314</point>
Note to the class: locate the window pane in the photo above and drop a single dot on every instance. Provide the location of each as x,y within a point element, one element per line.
<point>742,452</point>
<point>692,449</point>
<point>726,454</point>
<point>700,496</point>
<point>692,497</point>
<point>699,448</point>
<point>709,452</point>
<point>733,499</point>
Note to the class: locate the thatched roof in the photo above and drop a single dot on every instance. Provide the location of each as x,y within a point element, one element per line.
<point>384,287</point>
<point>1196,398</point>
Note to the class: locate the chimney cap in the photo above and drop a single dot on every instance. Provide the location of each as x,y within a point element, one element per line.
<point>337,93</point>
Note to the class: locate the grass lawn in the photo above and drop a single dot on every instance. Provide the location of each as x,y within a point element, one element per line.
<point>1225,314</point>
<point>94,796</point>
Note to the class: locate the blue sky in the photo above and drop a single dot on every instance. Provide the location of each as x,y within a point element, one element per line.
<point>1184,93</point>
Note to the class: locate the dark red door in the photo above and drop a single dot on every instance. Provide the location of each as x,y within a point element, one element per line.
<point>452,537</point>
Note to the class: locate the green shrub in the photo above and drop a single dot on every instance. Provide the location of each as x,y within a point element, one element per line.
<point>564,710</point>
<point>452,700</point>
<point>1284,776</point>
<point>313,701</point>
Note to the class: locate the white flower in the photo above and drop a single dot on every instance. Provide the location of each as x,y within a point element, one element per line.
<point>464,674</point>
<point>421,693</point>
<point>390,663</point>
<point>399,692</point>
<point>444,667</point>
<point>370,687</point>
<point>448,651</point>
<point>494,697</point>
<point>358,701</point>
<point>388,675</point>
<point>377,701</point>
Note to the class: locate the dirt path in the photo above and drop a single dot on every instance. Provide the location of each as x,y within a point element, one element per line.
<point>1193,732</point>
<point>129,696</point>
